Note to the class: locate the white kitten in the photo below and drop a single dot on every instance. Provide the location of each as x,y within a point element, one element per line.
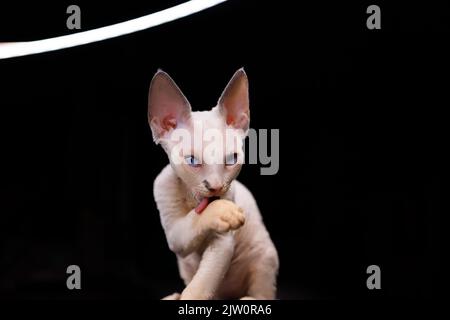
<point>219,256</point>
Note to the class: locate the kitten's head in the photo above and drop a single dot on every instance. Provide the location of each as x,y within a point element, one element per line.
<point>205,148</point>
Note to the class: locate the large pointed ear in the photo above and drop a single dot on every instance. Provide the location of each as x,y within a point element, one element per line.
<point>167,105</point>
<point>234,102</point>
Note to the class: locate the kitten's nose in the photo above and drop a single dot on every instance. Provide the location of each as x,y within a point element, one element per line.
<point>212,187</point>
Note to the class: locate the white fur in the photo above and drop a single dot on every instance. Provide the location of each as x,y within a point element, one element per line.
<point>219,256</point>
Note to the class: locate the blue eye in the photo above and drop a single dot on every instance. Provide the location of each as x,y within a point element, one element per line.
<point>231,159</point>
<point>192,161</point>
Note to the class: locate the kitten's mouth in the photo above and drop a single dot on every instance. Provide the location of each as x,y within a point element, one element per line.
<point>204,203</point>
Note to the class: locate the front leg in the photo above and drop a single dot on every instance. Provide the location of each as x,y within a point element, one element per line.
<point>186,234</point>
<point>214,264</point>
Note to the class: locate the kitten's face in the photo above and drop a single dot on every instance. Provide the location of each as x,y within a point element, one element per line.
<point>209,156</point>
<point>204,148</point>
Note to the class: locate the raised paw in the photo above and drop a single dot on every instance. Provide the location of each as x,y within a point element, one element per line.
<point>222,216</point>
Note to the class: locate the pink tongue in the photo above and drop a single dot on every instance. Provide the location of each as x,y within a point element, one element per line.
<point>202,205</point>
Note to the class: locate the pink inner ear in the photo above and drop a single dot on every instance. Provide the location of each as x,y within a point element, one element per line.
<point>168,123</point>
<point>234,101</point>
<point>230,119</point>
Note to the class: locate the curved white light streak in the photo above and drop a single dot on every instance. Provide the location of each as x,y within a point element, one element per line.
<point>16,49</point>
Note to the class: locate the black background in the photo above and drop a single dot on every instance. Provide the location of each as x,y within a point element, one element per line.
<point>362,137</point>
